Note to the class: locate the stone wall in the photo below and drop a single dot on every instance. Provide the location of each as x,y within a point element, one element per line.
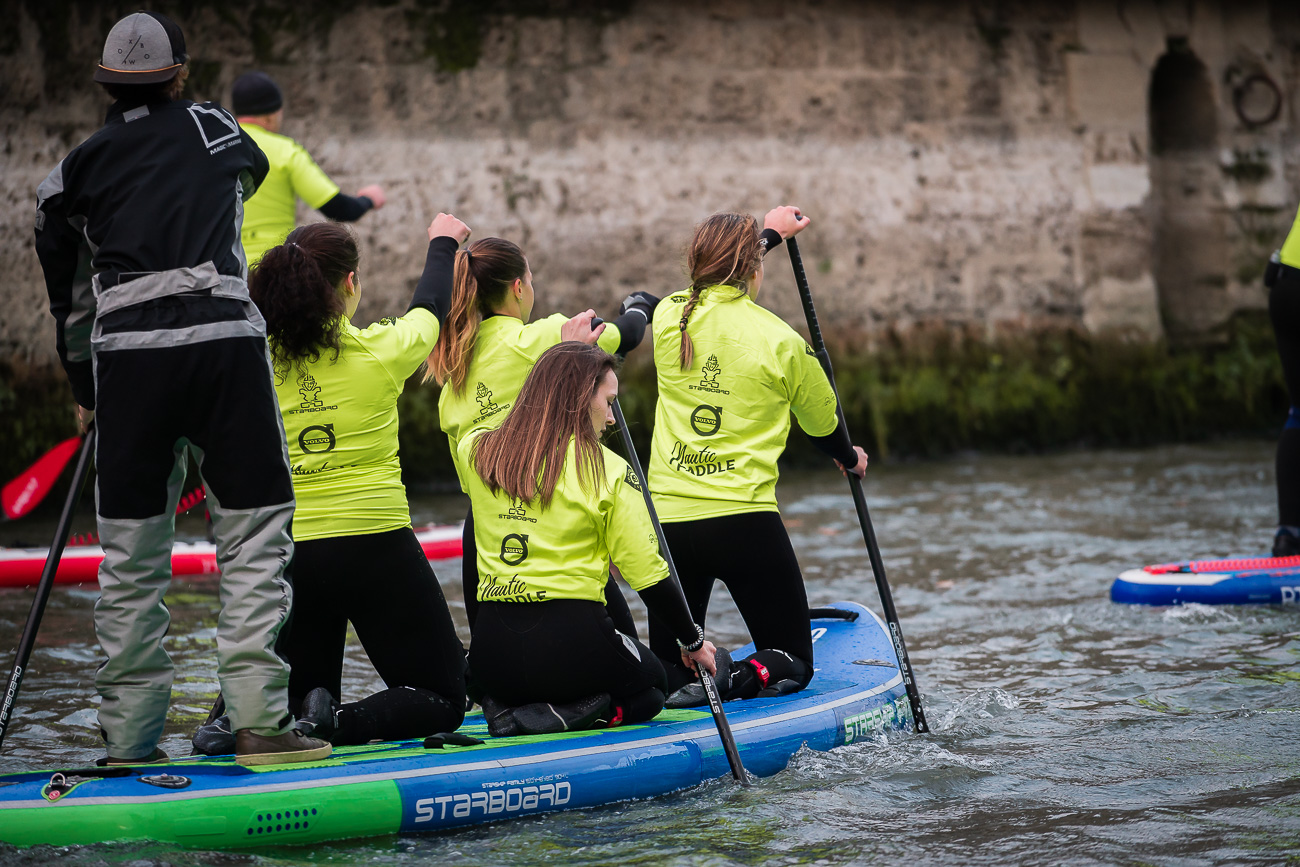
<point>980,165</point>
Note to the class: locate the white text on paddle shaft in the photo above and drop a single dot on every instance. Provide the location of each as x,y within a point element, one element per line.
<point>510,800</point>
<point>1291,595</point>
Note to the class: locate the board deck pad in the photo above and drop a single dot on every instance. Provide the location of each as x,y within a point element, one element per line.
<point>212,802</point>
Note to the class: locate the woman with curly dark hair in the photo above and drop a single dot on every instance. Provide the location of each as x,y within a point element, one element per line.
<point>356,557</point>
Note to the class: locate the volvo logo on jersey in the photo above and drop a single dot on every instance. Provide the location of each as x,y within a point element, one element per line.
<point>317,439</point>
<point>706,420</point>
<point>514,549</point>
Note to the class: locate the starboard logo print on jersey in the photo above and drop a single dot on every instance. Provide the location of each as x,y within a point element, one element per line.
<point>310,390</point>
<point>517,512</point>
<point>631,479</point>
<point>486,408</point>
<point>710,380</point>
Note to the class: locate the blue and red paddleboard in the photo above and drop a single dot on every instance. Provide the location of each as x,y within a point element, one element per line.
<point>403,787</point>
<point>1241,581</point>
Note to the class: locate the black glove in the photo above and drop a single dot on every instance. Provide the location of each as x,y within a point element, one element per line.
<point>642,302</point>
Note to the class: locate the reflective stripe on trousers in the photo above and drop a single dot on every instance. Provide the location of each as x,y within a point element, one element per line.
<point>159,399</point>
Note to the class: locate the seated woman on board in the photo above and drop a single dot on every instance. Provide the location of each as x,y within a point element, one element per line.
<point>356,557</point>
<point>553,507</point>
<point>730,374</point>
<point>484,352</point>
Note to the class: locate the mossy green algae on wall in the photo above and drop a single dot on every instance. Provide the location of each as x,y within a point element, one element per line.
<point>916,396</point>
<point>929,395</point>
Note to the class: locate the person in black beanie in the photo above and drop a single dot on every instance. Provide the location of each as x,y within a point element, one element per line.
<point>270,216</point>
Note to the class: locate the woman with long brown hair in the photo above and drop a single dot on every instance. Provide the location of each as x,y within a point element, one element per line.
<point>730,373</point>
<point>485,350</point>
<point>553,508</point>
<point>356,557</point>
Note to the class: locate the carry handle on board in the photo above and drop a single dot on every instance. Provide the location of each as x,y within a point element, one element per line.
<point>859,499</point>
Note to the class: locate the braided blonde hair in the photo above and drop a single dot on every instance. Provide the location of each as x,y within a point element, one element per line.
<point>724,251</point>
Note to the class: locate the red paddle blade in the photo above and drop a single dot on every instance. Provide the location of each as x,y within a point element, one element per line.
<point>25,492</point>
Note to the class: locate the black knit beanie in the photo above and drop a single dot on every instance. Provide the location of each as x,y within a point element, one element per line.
<point>255,93</point>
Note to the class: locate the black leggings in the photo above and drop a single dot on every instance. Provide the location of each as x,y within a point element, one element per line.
<point>752,555</point>
<point>560,651</point>
<point>383,584</point>
<point>615,604</point>
<point>1284,313</point>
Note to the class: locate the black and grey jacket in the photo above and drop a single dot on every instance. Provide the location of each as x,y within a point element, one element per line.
<point>159,187</point>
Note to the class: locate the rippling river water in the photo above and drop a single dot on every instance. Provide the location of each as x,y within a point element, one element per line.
<point>1067,729</point>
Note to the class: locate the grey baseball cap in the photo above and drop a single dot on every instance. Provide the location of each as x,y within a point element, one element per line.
<point>142,48</point>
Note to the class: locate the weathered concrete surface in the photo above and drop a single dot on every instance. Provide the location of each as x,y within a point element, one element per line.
<point>966,163</point>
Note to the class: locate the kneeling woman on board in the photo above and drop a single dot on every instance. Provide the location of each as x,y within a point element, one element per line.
<point>730,373</point>
<point>552,508</point>
<point>485,350</point>
<point>356,557</point>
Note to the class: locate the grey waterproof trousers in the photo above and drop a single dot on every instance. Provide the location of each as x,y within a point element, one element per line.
<point>181,365</point>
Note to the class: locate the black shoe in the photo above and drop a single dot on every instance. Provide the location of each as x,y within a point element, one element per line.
<point>544,718</point>
<point>1285,544</point>
<point>693,694</point>
<point>215,738</point>
<point>157,757</point>
<point>781,687</point>
<point>318,716</point>
<point>500,719</point>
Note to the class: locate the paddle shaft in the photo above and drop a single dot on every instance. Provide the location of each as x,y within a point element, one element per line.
<point>43,587</point>
<point>859,499</point>
<point>710,688</point>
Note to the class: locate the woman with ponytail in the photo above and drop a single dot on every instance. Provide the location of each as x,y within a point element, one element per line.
<point>356,557</point>
<point>488,346</point>
<point>554,507</point>
<point>730,374</point>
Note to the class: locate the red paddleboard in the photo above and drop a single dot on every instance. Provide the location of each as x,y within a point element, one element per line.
<point>21,567</point>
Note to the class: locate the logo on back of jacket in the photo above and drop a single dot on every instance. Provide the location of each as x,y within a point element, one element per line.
<point>486,407</point>
<point>217,128</point>
<point>517,512</point>
<point>309,389</point>
<point>709,382</point>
